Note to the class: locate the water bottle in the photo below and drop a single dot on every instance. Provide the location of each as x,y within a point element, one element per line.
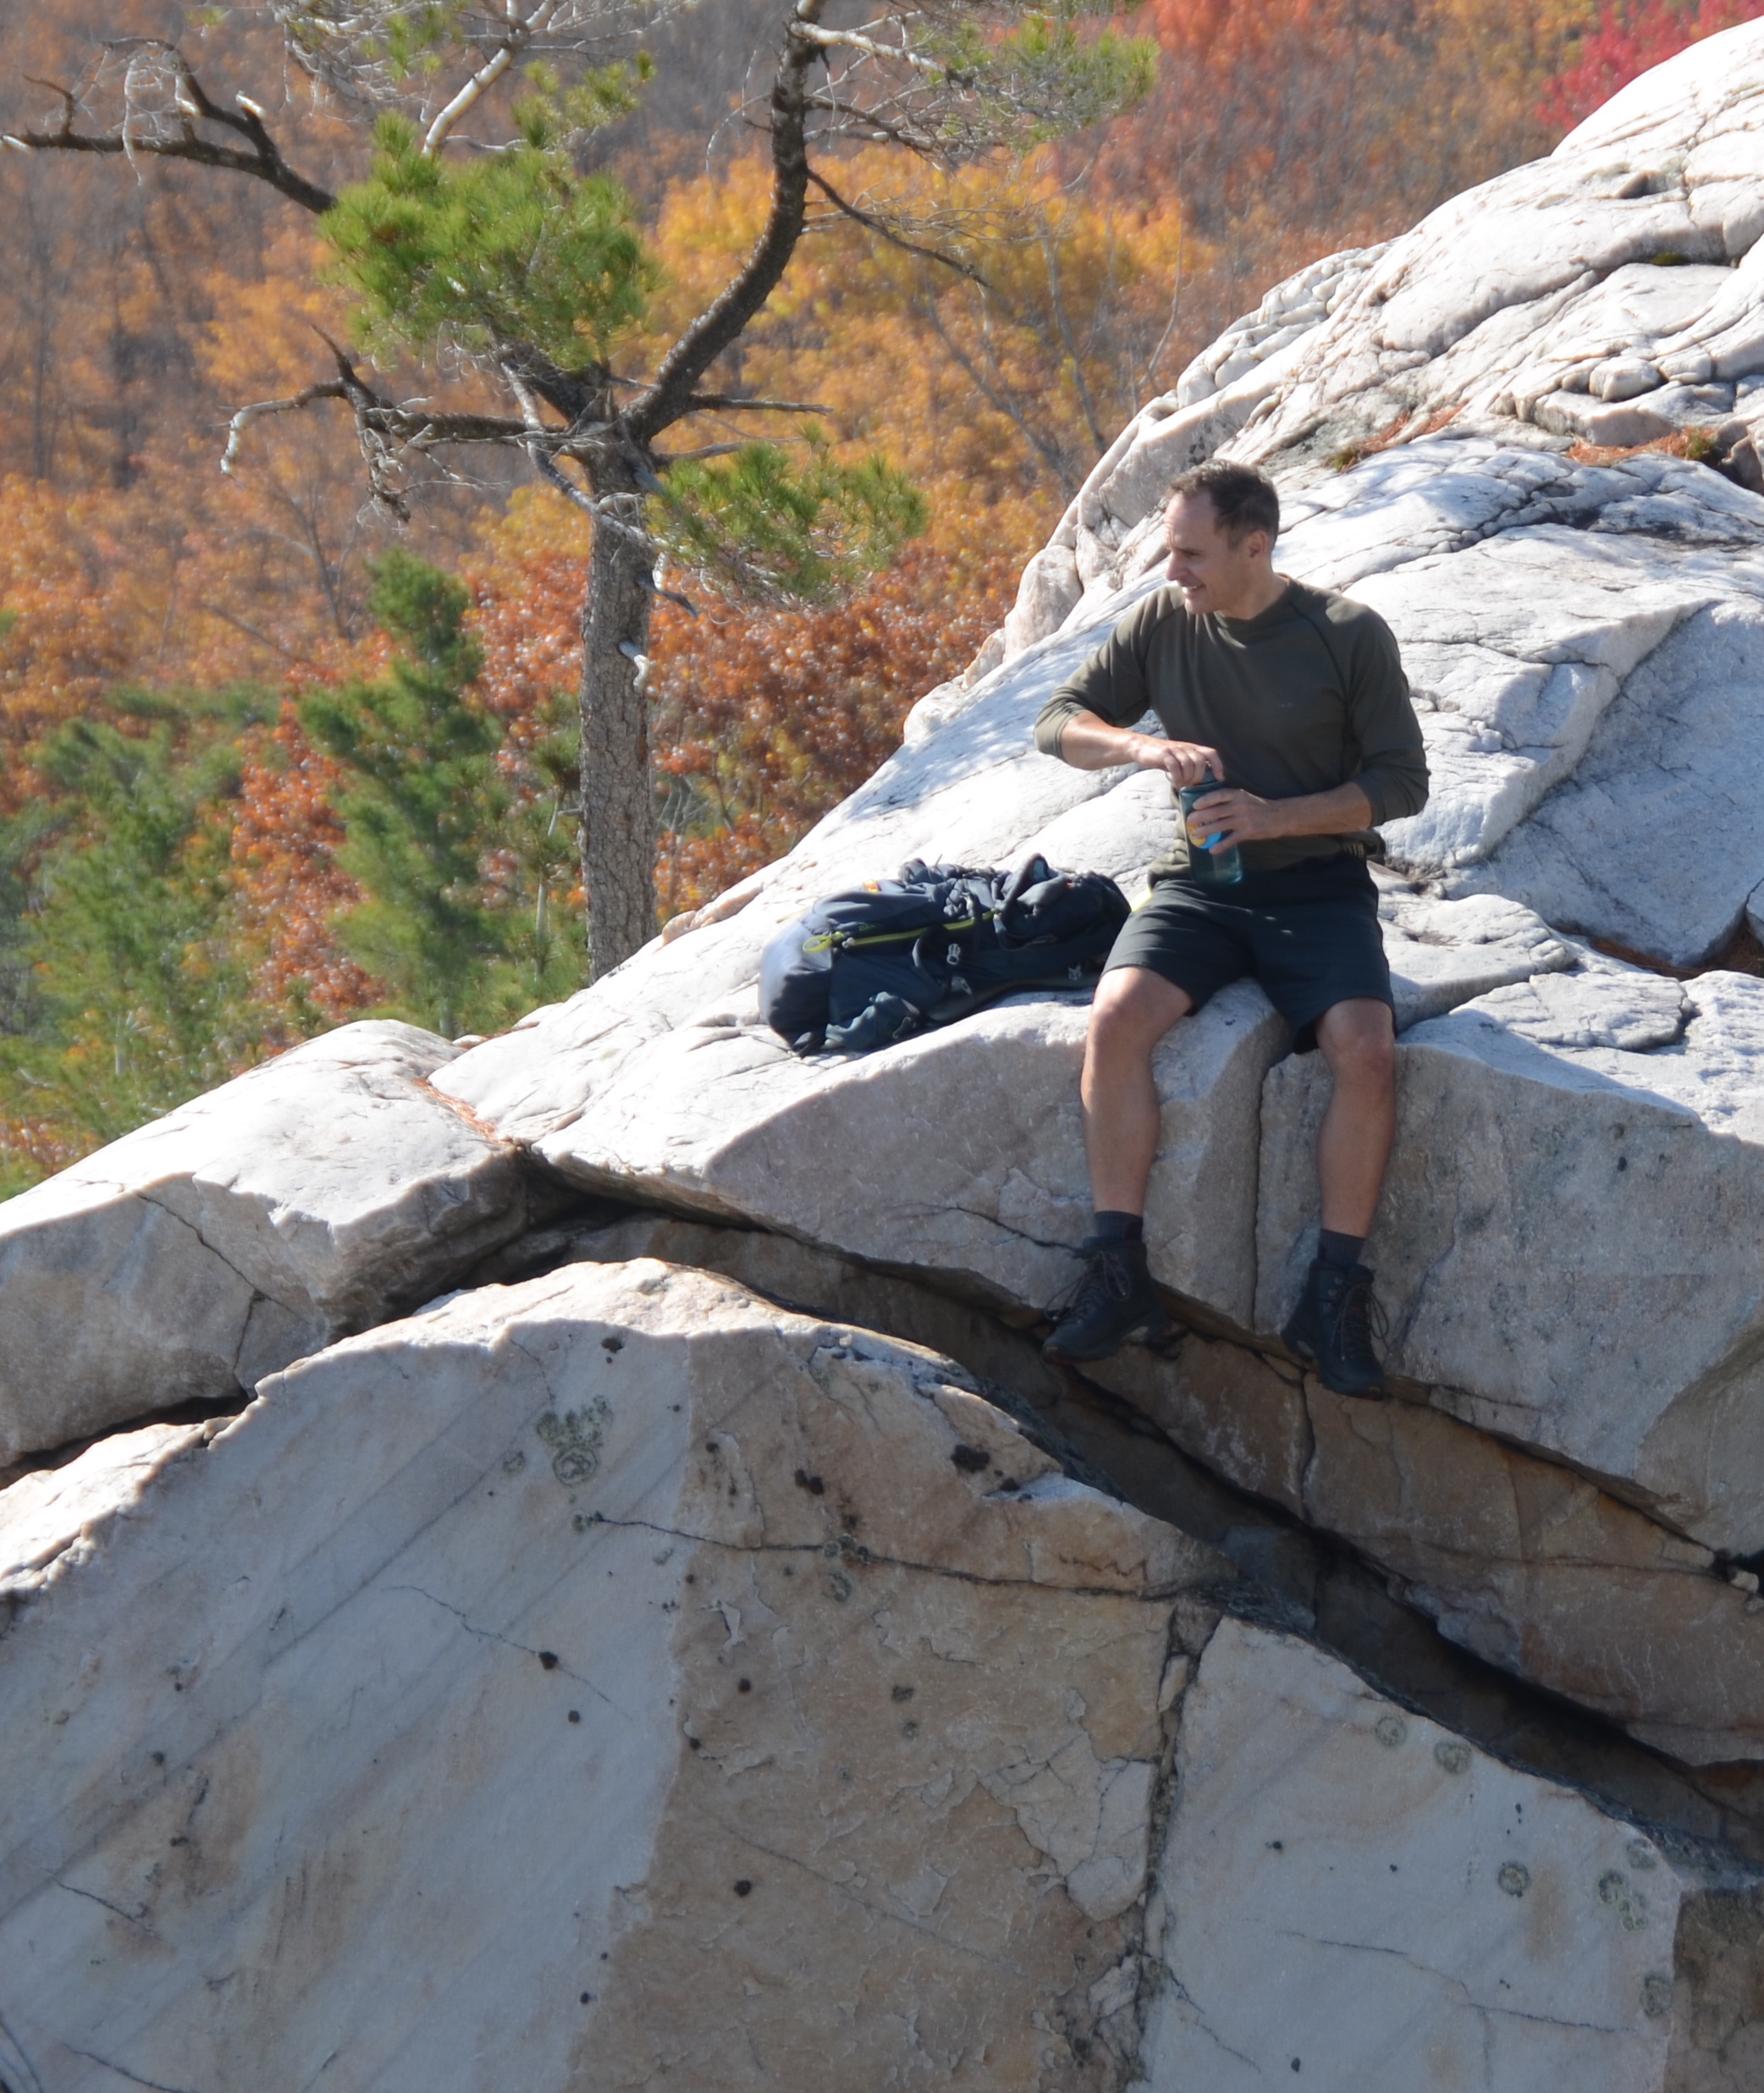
<point>1207,868</point>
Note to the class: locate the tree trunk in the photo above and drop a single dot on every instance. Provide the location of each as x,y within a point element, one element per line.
<point>618,839</point>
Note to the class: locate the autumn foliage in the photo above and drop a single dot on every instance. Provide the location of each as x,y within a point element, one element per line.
<point>1630,38</point>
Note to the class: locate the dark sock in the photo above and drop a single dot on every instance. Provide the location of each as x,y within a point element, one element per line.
<point>1334,1248</point>
<point>1108,1227</point>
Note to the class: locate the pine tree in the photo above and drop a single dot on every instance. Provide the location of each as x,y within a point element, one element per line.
<point>425,802</point>
<point>520,271</point>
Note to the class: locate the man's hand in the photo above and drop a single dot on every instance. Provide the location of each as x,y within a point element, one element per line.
<point>1088,743</point>
<point>1184,762</point>
<point>1231,817</point>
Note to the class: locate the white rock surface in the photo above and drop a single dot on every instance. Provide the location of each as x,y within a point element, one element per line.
<point>1444,953</point>
<point>615,1678</point>
<point>316,1194</point>
<point>1512,1555</point>
<point>1417,1915</point>
<point>605,1679</point>
<point>959,1153</point>
<point>1568,1242</point>
<point>1656,840</point>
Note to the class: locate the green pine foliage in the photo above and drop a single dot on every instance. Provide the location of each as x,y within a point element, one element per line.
<point>126,969</point>
<point>427,814</point>
<point>779,532</point>
<point>125,992</point>
<point>472,255</point>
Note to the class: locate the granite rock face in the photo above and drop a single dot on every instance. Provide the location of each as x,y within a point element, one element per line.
<point>1567,1244</point>
<point>1420,1915</point>
<point>605,1677</point>
<point>720,1117</point>
<point>1513,1556</point>
<point>614,1678</point>
<point>185,1261</point>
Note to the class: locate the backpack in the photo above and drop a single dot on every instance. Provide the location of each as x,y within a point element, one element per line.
<point>877,964</point>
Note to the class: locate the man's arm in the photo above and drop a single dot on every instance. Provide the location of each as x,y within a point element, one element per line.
<point>1088,721</point>
<point>1235,816</point>
<point>1088,743</point>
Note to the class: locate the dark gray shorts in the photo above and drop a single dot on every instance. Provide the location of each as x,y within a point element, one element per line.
<point>1308,933</point>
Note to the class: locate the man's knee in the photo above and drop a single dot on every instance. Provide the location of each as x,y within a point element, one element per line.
<point>1133,1011</point>
<point>1358,1039</point>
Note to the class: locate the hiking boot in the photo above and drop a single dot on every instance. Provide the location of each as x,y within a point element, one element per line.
<point>1114,1301</point>
<point>1333,1326</point>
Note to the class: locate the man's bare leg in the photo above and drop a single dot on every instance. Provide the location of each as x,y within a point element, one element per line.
<point>1358,1041</point>
<point>1333,1324</point>
<point>1134,1009</point>
<point>1115,1299</point>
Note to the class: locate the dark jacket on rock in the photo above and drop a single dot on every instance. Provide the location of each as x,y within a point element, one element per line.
<point>1308,696</point>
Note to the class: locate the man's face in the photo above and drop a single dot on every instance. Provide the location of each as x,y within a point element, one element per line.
<point>1212,573</point>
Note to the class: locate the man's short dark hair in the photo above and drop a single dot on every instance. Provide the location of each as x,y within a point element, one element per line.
<point>1243,499</point>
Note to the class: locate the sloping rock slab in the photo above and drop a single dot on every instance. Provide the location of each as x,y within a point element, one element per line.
<point>1514,1557</point>
<point>615,1679</point>
<point>960,1152</point>
<point>1655,839</point>
<point>1415,1913</point>
<point>1568,1242</point>
<point>316,1194</point>
<point>601,1680</point>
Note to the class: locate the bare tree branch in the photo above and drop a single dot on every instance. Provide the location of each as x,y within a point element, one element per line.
<point>263,160</point>
<point>720,326</point>
<point>880,227</point>
<point>850,39</point>
<point>520,34</point>
<point>723,403</point>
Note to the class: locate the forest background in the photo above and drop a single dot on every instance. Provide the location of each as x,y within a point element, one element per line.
<point>269,762</point>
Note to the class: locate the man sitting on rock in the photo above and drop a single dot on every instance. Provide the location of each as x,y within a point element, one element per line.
<point>1294,700</point>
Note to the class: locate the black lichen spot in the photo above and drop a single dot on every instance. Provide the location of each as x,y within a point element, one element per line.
<point>744,1887</point>
<point>1295,2063</point>
<point>901,1692</point>
<point>1276,1845</point>
<point>1622,1162</point>
<point>587,1998</point>
<point>575,1715</point>
<point>971,1459</point>
<point>812,1484</point>
<point>909,1728</point>
<point>157,1757</point>
<point>612,1344</point>
<point>691,1578</point>
<point>789,1571</point>
<point>695,1744</point>
<point>744,1686</point>
<point>550,1659</point>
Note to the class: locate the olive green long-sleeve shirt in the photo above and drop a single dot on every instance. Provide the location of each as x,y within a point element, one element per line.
<point>1308,696</point>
